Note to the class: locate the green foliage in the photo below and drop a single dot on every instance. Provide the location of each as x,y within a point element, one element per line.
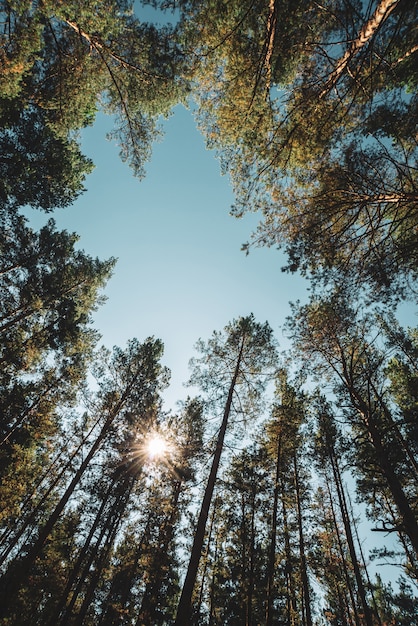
<point>312,110</point>
<point>37,167</point>
<point>341,344</point>
<point>213,371</point>
<point>65,61</point>
<point>49,290</point>
<point>306,107</point>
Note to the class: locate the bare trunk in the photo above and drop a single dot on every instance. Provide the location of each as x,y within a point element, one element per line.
<point>343,560</point>
<point>273,538</point>
<point>152,588</point>
<point>290,586</point>
<point>304,568</point>
<point>349,536</point>
<point>184,608</point>
<point>250,590</point>
<point>409,521</point>
<point>12,583</point>
<point>112,526</point>
<point>382,11</point>
<point>82,555</point>
<point>196,621</point>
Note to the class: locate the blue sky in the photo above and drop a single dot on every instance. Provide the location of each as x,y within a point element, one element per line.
<point>180,272</point>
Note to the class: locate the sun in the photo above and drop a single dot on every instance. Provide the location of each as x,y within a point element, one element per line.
<point>156,446</point>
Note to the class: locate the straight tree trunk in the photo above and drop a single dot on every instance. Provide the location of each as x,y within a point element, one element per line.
<point>184,609</point>
<point>363,561</point>
<point>273,537</point>
<point>75,573</point>
<point>349,535</point>
<point>153,586</point>
<point>112,527</point>
<point>250,590</point>
<point>409,521</point>
<point>290,585</point>
<point>343,559</point>
<point>244,561</point>
<point>304,570</point>
<point>40,505</point>
<point>109,615</point>
<point>196,621</point>
<point>212,604</point>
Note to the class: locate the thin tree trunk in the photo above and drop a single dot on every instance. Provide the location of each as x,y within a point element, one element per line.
<point>184,608</point>
<point>40,505</point>
<point>112,527</point>
<point>250,591</point>
<point>244,583</point>
<point>291,599</point>
<point>12,583</point>
<point>153,586</point>
<point>196,621</point>
<point>363,560</point>
<point>343,559</point>
<point>409,521</point>
<point>349,535</point>
<point>273,537</point>
<point>108,615</point>
<point>75,573</point>
<point>304,568</point>
<point>212,606</point>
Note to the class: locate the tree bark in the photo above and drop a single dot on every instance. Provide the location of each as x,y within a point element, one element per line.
<point>382,11</point>
<point>273,538</point>
<point>343,560</point>
<point>153,586</point>
<point>350,541</point>
<point>409,521</point>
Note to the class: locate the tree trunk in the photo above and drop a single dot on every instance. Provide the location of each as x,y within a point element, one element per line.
<point>196,620</point>
<point>363,560</point>
<point>382,11</point>
<point>111,527</point>
<point>304,570</point>
<point>343,559</point>
<point>153,586</point>
<point>75,573</point>
<point>349,535</point>
<point>250,589</point>
<point>409,521</point>
<point>184,608</point>
<point>290,586</point>
<point>273,537</point>
<point>12,583</point>
<point>39,507</point>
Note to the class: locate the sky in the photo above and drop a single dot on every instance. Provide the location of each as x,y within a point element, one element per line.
<point>180,273</point>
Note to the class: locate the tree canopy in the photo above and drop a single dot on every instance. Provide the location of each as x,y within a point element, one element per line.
<point>245,505</point>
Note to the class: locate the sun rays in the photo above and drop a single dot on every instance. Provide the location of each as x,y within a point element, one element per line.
<point>156,446</point>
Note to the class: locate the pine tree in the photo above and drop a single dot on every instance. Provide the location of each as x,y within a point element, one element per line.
<point>341,344</point>
<point>233,363</point>
<point>128,388</point>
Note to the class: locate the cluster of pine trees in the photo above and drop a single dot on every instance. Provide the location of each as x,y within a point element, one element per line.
<point>248,514</point>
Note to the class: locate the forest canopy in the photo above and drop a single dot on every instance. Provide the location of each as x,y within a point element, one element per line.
<point>246,504</point>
